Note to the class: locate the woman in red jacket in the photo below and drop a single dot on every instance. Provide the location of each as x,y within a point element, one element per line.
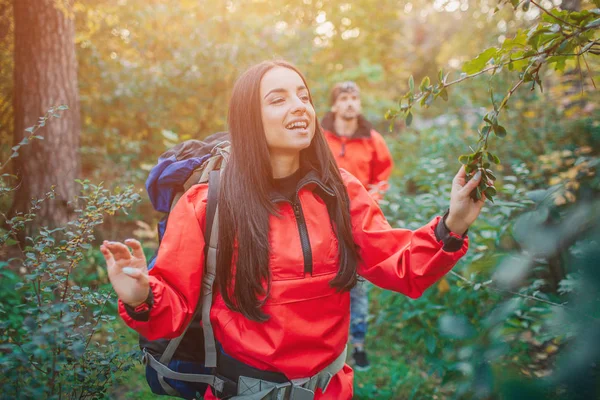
<point>295,232</point>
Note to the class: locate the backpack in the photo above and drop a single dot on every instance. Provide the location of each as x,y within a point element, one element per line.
<point>177,170</point>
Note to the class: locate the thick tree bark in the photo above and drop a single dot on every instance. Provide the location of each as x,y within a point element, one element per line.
<point>45,76</point>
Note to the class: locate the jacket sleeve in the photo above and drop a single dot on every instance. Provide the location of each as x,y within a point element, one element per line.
<point>176,278</point>
<point>381,167</point>
<point>400,260</point>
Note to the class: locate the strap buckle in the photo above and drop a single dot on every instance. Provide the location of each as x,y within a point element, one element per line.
<point>144,357</point>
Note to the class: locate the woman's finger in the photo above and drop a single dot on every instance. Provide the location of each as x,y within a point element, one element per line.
<point>136,247</point>
<point>472,184</point>
<point>460,177</point>
<point>119,250</point>
<point>108,257</point>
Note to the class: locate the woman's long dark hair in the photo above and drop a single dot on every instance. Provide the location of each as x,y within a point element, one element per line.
<point>245,205</point>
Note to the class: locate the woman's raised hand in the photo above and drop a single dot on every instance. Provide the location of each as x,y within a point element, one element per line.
<point>463,209</point>
<point>128,273</point>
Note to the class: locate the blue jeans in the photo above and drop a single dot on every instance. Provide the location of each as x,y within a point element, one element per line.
<point>188,390</point>
<point>359,310</point>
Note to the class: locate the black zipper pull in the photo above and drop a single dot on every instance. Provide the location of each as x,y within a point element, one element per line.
<point>296,209</point>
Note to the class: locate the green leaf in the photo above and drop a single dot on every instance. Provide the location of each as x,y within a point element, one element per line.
<point>490,191</point>
<point>526,5</point>
<point>500,131</point>
<point>587,47</point>
<point>537,195</point>
<point>441,76</point>
<point>559,62</point>
<point>444,94</point>
<point>429,99</point>
<point>517,42</point>
<point>593,24</point>
<point>409,118</point>
<point>411,83</point>
<point>493,158</point>
<point>457,327</point>
<point>478,63</point>
<point>492,99</point>
<point>430,343</point>
<point>463,159</point>
<point>30,129</point>
<point>424,84</point>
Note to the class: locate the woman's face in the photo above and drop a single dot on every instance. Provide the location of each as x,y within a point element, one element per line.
<point>288,117</point>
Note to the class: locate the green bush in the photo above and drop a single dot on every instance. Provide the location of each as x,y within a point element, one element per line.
<point>56,338</point>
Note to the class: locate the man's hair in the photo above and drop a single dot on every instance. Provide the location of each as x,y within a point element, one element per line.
<point>343,87</point>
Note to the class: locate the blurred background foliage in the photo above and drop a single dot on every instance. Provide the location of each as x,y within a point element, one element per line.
<point>519,315</point>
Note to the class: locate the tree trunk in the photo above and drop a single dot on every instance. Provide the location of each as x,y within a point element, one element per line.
<point>45,73</point>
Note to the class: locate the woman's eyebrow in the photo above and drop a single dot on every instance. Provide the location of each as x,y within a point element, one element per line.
<point>282,90</point>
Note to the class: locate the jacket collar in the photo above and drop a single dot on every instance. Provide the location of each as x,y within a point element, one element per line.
<point>363,131</point>
<point>311,177</point>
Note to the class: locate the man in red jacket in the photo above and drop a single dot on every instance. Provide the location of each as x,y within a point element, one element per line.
<point>360,150</point>
<point>356,146</point>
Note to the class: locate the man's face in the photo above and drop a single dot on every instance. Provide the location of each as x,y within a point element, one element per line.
<point>347,105</point>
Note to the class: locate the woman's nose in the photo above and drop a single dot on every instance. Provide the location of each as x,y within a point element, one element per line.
<point>299,107</point>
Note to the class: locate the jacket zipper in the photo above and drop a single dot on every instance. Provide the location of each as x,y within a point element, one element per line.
<point>301,222</point>
<point>343,151</point>
<point>303,230</point>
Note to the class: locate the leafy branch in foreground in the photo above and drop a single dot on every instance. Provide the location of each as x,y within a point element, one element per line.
<point>559,36</point>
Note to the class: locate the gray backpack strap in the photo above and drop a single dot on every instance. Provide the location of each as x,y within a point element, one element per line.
<point>296,389</point>
<point>210,348</point>
<point>166,372</point>
<point>211,237</point>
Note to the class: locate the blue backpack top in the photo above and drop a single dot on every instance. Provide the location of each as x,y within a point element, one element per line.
<point>176,171</point>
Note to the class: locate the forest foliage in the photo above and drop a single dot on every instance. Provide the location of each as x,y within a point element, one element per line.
<point>506,86</point>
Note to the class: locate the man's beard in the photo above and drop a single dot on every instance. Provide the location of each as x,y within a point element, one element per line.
<point>349,114</point>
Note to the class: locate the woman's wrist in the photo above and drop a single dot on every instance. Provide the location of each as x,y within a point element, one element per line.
<point>134,304</point>
<point>458,227</point>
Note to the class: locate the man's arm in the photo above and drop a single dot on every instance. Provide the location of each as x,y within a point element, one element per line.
<point>381,167</point>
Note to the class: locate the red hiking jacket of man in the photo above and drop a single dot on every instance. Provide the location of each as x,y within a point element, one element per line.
<point>309,319</point>
<point>364,154</point>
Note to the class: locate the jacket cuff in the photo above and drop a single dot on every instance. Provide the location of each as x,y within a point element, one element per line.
<point>452,241</point>
<point>142,312</point>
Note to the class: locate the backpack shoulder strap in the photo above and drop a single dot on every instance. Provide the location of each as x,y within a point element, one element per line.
<point>212,237</point>
<point>211,206</point>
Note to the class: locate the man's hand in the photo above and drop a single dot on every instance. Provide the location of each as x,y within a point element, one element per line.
<point>127,272</point>
<point>463,209</point>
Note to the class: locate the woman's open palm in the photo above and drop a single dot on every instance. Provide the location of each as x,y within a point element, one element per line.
<point>127,270</point>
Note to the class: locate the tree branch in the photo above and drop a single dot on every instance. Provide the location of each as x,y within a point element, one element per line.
<point>589,71</point>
